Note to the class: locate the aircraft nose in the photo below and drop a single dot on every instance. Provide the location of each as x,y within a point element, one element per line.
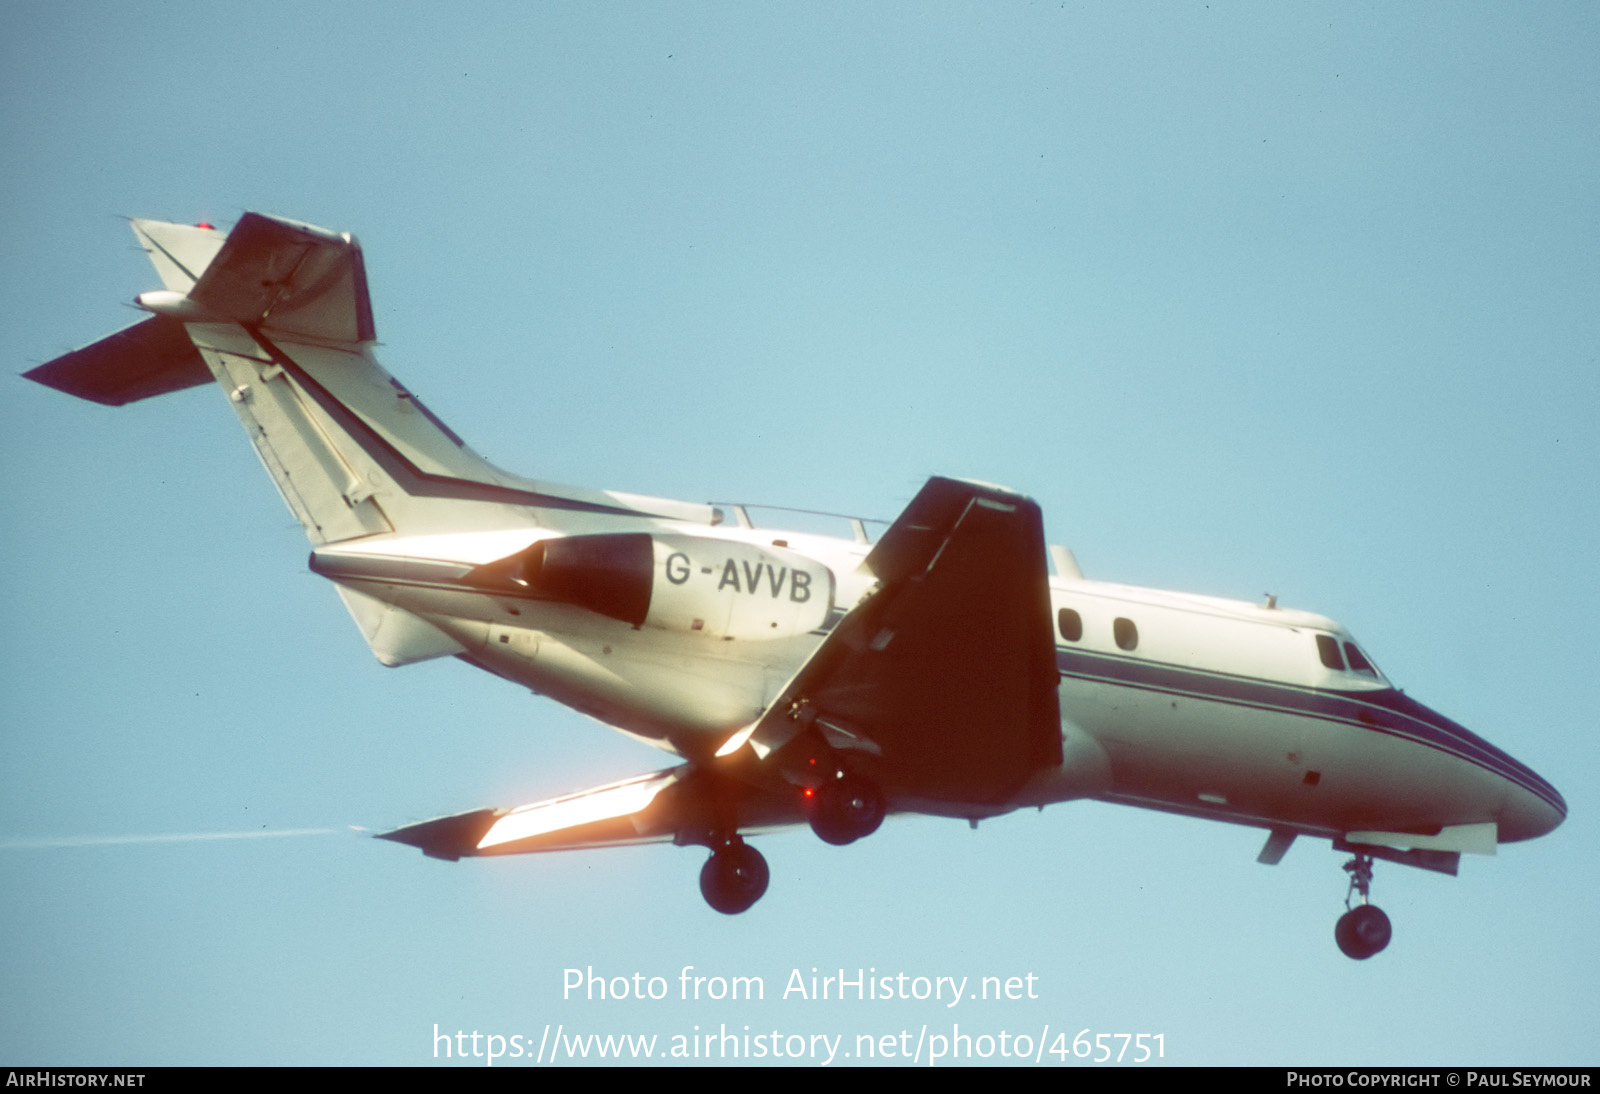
<point>1530,812</point>
<point>1523,804</point>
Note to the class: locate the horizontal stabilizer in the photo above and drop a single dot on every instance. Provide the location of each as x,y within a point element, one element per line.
<point>150,358</point>
<point>291,278</point>
<point>179,252</point>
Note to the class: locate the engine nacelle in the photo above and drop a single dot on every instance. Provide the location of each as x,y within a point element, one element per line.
<point>691,584</point>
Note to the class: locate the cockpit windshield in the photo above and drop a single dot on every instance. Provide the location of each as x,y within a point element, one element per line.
<point>1358,660</point>
<point>1346,657</point>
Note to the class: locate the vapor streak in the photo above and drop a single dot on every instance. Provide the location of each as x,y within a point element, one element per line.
<point>179,837</point>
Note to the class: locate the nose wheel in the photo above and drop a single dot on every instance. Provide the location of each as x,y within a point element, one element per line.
<point>734,877</point>
<point>1364,929</point>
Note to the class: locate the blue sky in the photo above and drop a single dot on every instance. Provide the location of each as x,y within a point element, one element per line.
<point>1251,298</point>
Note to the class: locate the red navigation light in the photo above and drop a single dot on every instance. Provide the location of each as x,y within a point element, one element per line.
<point>205,227</point>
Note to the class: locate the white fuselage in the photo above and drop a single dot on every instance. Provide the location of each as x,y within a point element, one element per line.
<point>1190,704</point>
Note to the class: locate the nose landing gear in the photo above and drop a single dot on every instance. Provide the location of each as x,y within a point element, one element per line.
<point>1364,929</point>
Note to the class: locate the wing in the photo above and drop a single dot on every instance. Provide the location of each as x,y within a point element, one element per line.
<point>941,687</point>
<point>681,805</point>
<point>943,681</point>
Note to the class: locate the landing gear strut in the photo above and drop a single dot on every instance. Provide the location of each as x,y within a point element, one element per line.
<point>734,877</point>
<point>844,809</point>
<point>1363,930</point>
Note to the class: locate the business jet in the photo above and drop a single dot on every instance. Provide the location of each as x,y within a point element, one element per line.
<point>932,666</point>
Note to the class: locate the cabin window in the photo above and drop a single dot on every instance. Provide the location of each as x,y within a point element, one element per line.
<point>1328,650</point>
<point>1358,660</point>
<point>1126,634</point>
<point>1071,624</point>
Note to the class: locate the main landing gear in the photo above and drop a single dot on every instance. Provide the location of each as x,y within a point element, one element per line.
<point>734,877</point>
<point>841,809</point>
<point>844,809</point>
<point>1363,930</point>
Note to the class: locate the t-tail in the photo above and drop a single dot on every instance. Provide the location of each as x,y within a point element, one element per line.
<point>277,313</point>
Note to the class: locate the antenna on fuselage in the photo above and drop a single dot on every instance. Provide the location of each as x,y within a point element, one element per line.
<point>1066,563</point>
